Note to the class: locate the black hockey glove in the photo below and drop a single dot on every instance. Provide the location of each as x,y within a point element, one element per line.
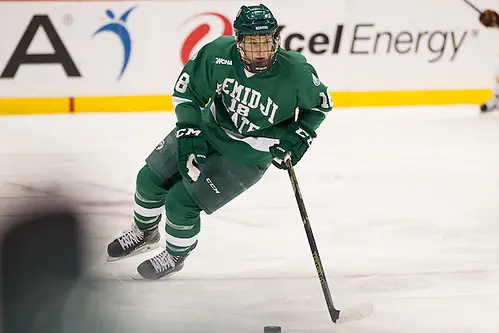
<point>192,149</point>
<point>293,144</point>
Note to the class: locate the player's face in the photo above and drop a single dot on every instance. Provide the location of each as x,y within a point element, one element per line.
<point>258,48</point>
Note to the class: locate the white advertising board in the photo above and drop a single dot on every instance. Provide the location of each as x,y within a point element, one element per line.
<point>138,48</point>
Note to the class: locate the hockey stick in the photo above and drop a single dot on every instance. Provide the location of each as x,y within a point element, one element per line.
<point>473,6</point>
<point>337,316</point>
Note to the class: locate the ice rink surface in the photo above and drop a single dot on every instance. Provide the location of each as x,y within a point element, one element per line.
<point>404,204</point>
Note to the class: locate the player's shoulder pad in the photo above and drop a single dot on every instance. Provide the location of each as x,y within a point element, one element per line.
<point>291,58</point>
<point>224,41</point>
<point>216,48</point>
<point>302,70</point>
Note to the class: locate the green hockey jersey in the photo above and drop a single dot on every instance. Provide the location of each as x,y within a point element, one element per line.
<point>242,114</point>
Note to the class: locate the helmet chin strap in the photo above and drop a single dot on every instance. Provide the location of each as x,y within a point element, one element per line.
<point>259,66</point>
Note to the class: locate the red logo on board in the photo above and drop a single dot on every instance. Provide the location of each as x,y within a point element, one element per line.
<point>196,35</point>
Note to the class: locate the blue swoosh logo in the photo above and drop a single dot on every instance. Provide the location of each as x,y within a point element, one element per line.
<point>121,31</point>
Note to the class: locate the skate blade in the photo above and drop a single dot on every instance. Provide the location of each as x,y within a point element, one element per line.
<point>357,312</point>
<point>164,278</point>
<point>142,250</point>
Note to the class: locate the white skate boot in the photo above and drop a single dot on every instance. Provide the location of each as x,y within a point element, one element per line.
<point>132,242</point>
<point>162,264</point>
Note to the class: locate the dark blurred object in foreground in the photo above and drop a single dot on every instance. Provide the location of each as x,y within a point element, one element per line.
<point>41,261</point>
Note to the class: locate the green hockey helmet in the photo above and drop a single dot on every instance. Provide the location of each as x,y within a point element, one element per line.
<point>257,37</point>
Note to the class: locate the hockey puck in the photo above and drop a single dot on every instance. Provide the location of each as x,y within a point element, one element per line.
<point>272,329</point>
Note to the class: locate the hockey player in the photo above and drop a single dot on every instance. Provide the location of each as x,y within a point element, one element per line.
<point>490,18</point>
<point>236,104</point>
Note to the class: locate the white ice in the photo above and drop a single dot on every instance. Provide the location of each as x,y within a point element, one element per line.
<point>404,204</point>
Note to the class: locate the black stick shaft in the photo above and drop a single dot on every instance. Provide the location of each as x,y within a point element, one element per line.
<point>333,312</point>
<point>473,6</point>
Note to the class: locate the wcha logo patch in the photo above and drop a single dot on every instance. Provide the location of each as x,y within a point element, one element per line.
<point>119,28</point>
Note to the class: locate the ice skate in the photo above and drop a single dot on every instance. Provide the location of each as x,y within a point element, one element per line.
<point>132,242</point>
<point>162,264</point>
<point>490,105</point>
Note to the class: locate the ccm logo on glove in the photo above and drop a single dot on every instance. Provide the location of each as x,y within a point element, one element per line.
<point>191,149</point>
<point>304,134</point>
<point>188,132</point>
<point>292,145</point>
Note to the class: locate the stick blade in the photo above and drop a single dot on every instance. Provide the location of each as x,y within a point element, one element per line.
<point>357,312</point>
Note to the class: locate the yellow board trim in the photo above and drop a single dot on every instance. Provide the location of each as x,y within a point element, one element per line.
<point>410,97</point>
<point>33,106</point>
<point>14,106</point>
<point>123,103</point>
